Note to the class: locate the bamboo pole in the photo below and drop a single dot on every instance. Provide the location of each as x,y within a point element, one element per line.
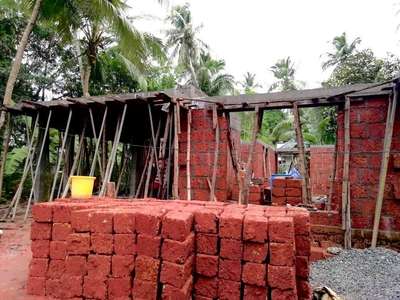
<point>64,140</point>
<point>249,165</point>
<point>75,162</point>
<point>175,184</point>
<point>97,139</point>
<point>188,175</point>
<point>346,160</point>
<point>392,106</point>
<point>37,169</point>
<point>216,153</point>
<point>302,156</point>
<point>111,160</point>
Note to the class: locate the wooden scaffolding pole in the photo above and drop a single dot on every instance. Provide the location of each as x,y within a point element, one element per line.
<point>111,159</point>
<point>153,157</point>
<point>302,156</point>
<point>31,143</point>
<point>216,154</point>
<point>96,156</point>
<point>188,175</point>
<point>36,169</point>
<point>249,165</point>
<point>387,143</point>
<point>346,161</point>
<point>60,155</point>
<point>175,184</point>
<point>75,162</point>
<point>333,176</point>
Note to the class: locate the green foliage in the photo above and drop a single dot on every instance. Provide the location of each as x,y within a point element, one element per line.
<point>249,83</point>
<point>284,72</point>
<point>15,160</point>
<point>364,67</point>
<point>342,50</point>
<point>210,78</point>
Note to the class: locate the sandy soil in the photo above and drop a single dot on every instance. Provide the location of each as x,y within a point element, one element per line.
<point>15,256</point>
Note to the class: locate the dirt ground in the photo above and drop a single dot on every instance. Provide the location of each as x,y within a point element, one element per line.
<point>15,256</point>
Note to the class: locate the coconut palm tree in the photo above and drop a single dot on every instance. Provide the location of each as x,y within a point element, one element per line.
<point>210,78</point>
<point>183,40</point>
<point>284,72</point>
<point>342,49</point>
<point>249,83</point>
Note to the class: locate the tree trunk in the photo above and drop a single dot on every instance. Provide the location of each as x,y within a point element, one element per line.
<point>193,74</point>
<point>85,82</point>
<point>16,65</point>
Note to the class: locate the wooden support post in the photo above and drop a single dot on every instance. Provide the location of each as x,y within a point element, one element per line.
<point>188,175</point>
<point>75,162</point>
<point>249,166</point>
<point>302,156</point>
<point>124,160</point>
<point>153,156</point>
<point>346,160</point>
<point>333,175</point>
<point>37,168</point>
<point>347,233</point>
<point>154,139</point>
<point>60,155</point>
<point>175,184</point>
<point>170,141</point>
<point>392,106</point>
<point>143,174</point>
<point>97,139</point>
<point>31,143</point>
<point>163,149</point>
<point>110,190</point>
<point>111,160</point>
<point>216,153</point>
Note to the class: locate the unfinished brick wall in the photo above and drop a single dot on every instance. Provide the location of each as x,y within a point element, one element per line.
<point>202,156</point>
<point>321,166</point>
<point>153,249</point>
<point>286,191</point>
<point>367,129</point>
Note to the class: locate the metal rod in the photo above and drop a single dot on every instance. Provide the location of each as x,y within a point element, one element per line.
<point>37,166</point>
<point>53,187</point>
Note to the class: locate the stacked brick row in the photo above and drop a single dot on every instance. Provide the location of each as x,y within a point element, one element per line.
<point>152,249</point>
<point>286,191</point>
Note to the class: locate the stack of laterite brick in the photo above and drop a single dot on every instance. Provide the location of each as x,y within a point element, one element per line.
<point>153,249</point>
<point>286,191</point>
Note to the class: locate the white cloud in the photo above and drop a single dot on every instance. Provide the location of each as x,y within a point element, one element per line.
<point>251,35</point>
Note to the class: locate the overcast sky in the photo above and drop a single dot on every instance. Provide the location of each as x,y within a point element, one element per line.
<point>250,35</point>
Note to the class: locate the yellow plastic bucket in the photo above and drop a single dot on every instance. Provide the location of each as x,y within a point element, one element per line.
<point>82,186</point>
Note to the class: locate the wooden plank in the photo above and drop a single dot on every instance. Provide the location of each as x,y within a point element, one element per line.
<point>384,164</point>
<point>333,175</point>
<point>347,233</point>
<point>346,160</point>
<point>305,182</point>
